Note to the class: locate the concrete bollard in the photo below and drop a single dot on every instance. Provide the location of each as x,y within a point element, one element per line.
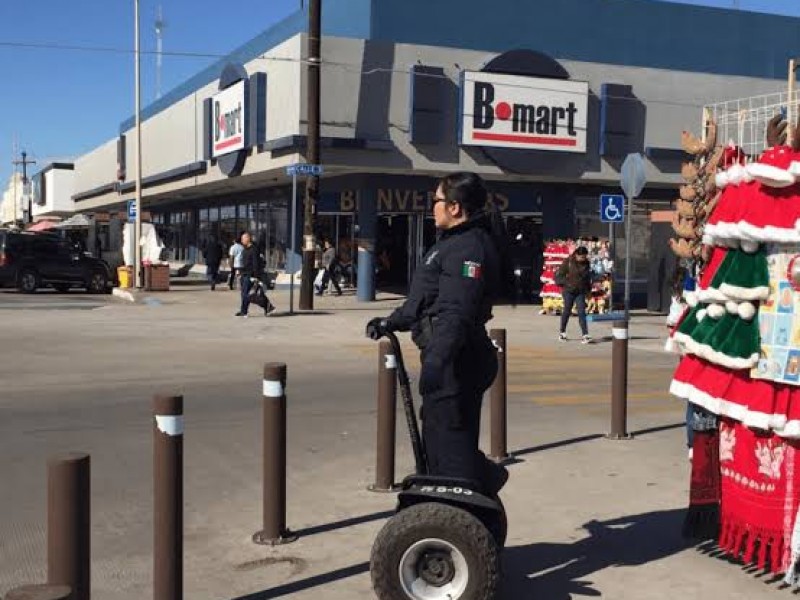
<point>274,531</point>
<point>68,523</point>
<point>168,497</point>
<point>498,414</point>
<point>387,407</point>
<point>619,382</point>
<point>40,592</point>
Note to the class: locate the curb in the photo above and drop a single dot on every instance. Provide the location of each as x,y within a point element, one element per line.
<point>124,294</point>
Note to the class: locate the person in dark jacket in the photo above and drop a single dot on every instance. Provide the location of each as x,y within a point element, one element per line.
<point>575,278</point>
<point>212,251</point>
<point>251,269</point>
<point>448,306</point>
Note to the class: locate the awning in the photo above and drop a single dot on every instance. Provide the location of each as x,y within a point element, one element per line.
<point>75,222</point>
<point>43,225</point>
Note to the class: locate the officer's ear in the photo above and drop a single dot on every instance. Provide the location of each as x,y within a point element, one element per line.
<point>456,209</point>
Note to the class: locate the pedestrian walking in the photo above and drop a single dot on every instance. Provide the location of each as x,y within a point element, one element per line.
<point>250,277</point>
<point>212,251</point>
<point>575,278</point>
<point>235,257</point>
<point>330,264</point>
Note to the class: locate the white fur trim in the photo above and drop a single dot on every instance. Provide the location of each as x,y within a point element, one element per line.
<point>794,168</point>
<point>719,358</point>
<point>721,179</point>
<point>701,314</point>
<point>721,233</point>
<point>725,408</point>
<point>709,295</point>
<point>691,298</point>
<point>732,307</point>
<point>734,292</point>
<point>747,311</point>
<point>770,176</point>
<point>716,311</point>
<point>736,174</point>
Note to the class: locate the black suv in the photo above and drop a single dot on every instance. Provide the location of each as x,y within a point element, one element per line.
<point>32,260</point>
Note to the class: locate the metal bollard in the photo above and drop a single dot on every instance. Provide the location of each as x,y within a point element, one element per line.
<point>498,410</point>
<point>619,382</point>
<point>168,497</point>
<point>274,440</point>
<point>40,592</point>
<point>387,406</point>
<point>68,523</point>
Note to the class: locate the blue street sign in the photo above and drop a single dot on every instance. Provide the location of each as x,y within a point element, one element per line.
<point>303,169</point>
<point>131,210</point>
<point>612,208</point>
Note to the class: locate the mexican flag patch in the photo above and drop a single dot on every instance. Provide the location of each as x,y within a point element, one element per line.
<point>471,269</point>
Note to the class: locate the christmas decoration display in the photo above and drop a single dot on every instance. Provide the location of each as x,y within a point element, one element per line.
<point>739,223</point>
<point>555,253</point>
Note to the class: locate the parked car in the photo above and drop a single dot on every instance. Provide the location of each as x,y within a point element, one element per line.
<point>31,260</point>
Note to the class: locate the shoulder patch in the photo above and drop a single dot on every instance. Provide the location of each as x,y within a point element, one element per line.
<point>471,269</point>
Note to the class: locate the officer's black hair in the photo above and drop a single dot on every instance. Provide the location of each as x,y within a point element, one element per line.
<point>469,190</point>
<point>581,251</point>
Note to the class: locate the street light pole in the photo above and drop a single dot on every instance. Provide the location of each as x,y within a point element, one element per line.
<point>137,227</point>
<point>312,156</point>
<point>25,192</point>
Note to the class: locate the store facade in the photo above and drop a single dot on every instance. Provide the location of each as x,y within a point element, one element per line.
<point>547,120</point>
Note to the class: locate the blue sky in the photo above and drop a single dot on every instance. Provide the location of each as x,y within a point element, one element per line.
<point>61,103</point>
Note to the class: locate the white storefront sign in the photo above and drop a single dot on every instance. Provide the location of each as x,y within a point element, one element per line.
<point>228,120</point>
<point>511,111</point>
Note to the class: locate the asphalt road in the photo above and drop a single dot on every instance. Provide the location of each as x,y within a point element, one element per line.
<point>77,373</point>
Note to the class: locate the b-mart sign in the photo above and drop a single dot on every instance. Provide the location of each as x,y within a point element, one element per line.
<point>511,111</point>
<point>228,120</point>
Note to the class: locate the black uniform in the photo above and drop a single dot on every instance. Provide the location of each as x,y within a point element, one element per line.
<point>449,303</point>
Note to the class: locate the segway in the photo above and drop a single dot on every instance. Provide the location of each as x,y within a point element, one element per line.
<point>444,540</point>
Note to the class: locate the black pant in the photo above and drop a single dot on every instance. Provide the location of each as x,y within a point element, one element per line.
<point>451,428</point>
<point>571,299</point>
<point>232,278</point>
<point>330,274</point>
<point>451,421</point>
<point>246,286</point>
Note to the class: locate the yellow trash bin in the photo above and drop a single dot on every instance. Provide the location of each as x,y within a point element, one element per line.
<point>125,277</point>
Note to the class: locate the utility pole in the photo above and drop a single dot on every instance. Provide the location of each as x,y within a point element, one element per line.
<point>137,226</point>
<point>312,153</point>
<point>25,162</point>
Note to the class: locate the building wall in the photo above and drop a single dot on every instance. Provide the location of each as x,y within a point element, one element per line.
<point>59,184</point>
<point>9,210</point>
<point>375,105</point>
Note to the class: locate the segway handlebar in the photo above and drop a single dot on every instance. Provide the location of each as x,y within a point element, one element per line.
<point>417,445</point>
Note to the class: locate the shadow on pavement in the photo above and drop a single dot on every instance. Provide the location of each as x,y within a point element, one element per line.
<point>591,437</point>
<point>308,583</point>
<point>562,571</point>
<point>351,522</point>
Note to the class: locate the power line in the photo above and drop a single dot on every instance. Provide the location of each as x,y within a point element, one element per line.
<point>351,67</point>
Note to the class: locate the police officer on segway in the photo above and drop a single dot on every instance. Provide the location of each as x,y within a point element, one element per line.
<point>448,306</point>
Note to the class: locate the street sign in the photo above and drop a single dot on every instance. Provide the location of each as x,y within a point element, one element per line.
<point>633,175</point>
<point>303,169</point>
<point>633,180</point>
<point>612,208</point>
<point>131,210</point>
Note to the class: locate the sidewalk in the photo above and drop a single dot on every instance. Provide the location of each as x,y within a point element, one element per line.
<point>588,516</point>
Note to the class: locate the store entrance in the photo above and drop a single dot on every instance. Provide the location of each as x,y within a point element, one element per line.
<point>401,244</point>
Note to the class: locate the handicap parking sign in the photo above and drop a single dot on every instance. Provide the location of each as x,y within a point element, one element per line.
<point>612,208</point>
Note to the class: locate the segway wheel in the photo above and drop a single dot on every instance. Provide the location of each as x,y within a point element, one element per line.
<point>434,551</point>
<point>498,526</point>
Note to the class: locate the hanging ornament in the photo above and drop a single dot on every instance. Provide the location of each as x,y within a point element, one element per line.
<point>793,272</point>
